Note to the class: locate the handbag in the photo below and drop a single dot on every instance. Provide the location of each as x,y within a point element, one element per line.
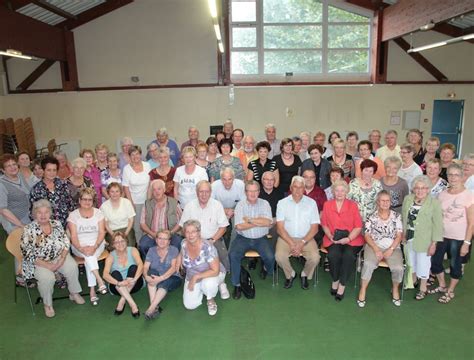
<point>340,234</point>
<point>246,283</point>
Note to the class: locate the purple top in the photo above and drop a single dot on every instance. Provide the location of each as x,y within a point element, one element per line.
<point>201,263</point>
<point>94,175</point>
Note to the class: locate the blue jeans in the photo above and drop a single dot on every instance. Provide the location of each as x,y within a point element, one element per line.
<point>453,248</point>
<point>147,242</point>
<point>240,245</point>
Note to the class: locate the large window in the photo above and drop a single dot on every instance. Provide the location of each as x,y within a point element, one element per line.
<point>300,39</point>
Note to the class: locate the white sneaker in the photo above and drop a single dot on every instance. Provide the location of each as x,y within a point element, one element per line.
<point>212,308</point>
<point>225,294</point>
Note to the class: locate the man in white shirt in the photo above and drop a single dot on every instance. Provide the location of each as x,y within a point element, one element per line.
<point>297,224</point>
<point>391,148</point>
<point>270,136</point>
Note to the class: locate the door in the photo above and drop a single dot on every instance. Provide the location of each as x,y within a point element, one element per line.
<point>447,121</point>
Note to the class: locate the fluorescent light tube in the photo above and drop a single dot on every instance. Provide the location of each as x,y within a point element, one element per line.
<point>218,32</point>
<point>213,8</point>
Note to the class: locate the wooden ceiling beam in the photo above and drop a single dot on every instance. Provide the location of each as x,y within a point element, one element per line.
<point>30,36</point>
<point>421,60</point>
<point>93,13</point>
<point>54,9</point>
<point>379,51</point>
<point>407,16</point>
<point>40,70</point>
<point>369,4</point>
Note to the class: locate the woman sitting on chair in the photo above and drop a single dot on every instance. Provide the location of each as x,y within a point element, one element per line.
<point>161,272</point>
<point>383,233</point>
<point>87,229</point>
<point>123,271</point>
<point>45,249</point>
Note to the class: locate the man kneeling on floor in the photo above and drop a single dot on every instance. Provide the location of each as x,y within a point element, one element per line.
<point>253,218</point>
<point>297,224</point>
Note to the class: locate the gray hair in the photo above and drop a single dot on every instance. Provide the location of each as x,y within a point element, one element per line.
<point>393,160</point>
<point>469,156</point>
<point>338,183</point>
<point>251,183</point>
<point>421,179</point>
<point>305,133</point>
<point>228,170</point>
<point>164,150</point>
<point>270,126</point>
<point>158,182</point>
<point>78,162</point>
<point>43,203</point>
<point>60,153</point>
<point>201,183</point>
<point>391,131</point>
<point>126,140</point>
<point>248,137</point>
<point>162,131</point>
<point>297,178</point>
<point>454,166</point>
<point>191,222</point>
<point>408,147</point>
<point>269,172</point>
<point>151,146</point>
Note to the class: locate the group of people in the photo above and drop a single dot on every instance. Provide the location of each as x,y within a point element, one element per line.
<point>189,214</point>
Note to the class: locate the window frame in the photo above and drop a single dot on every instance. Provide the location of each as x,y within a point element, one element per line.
<point>324,76</point>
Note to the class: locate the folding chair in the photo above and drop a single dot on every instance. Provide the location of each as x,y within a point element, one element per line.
<point>253,254</point>
<point>13,247</point>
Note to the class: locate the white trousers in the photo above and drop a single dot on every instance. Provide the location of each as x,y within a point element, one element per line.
<point>91,263</point>
<point>420,262</point>
<point>207,286</point>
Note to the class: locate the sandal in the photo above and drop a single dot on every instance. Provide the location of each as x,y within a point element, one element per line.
<point>361,303</point>
<point>94,300</point>
<point>396,302</point>
<point>420,295</point>
<point>446,298</point>
<point>102,289</point>
<point>437,290</point>
<point>431,281</point>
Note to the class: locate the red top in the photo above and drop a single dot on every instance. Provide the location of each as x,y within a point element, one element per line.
<point>347,219</point>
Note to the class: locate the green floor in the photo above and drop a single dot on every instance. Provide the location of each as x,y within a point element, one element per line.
<point>278,324</point>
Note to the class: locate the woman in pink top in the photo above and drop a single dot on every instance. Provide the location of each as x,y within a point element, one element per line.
<point>457,204</point>
<point>92,172</point>
<point>365,151</point>
<point>342,227</point>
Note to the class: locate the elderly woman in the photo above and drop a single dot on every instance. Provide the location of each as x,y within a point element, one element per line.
<point>365,152</point>
<point>383,234</point>
<point>201,156</point>
<point>433,169</point>
<point>164,171</point>
<point>36,168</point>
<point>457,205</point>
<point>163,140</point>
<point>258,166</point>
<point>77,180</point>
<point>161,272</point>
<point>212,149</point>
<point>123,271</point>
<point>92,172</point>
<point>45,249</point>
<point>65,168</point>
<point>101,153</point>
<point>112,174</point>
<point>24,163</point>
<point>305,138</point>
<point>374,138</point>
<point>364,190</point>
<point>87,229</point>
<point>352,138</point>
<point>423,226</point>
<point>319,165</point>
<point>187,176</point>
<point>468,171</point>
<point>395,185</point>
<point>55,190</point>
<point>226,160</point>
<point>447,153</point>
<point>342,160</point>
<point>119,214</point>
<point>334,175</point>
<point>204,273</point>
<point>124,158</point>
<point>135,181</point>
<point>320,139</point>
<point>409,169</point>
<point>431,151</point>
<point>415,138</point>
<point>287,164</point>
<point>342,227</point>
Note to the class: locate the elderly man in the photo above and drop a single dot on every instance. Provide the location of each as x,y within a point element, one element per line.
<point>162,139</point>
<point>193,137</point>
<point>228,191</point>
<point>297,224</point>
<point>237,136</point>
<point>228,129</point>
<point>253,218</point>
<point>211,215</point>
<point>320,139</point>
<point>159,212</point>
<point>391,148</point>
<point>305,137</point>
<point>248,153</point>
<point>270,136</point>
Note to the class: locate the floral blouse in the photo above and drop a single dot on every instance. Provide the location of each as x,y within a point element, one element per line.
<point>365,198</point>
<point>35,245</point>
<point>75,190</point>
<point>384,232</point>
<point>201,263</point>
<point>219,164</point>
<point>61,200</point>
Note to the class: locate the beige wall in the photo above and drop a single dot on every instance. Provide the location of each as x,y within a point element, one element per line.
<point>93,117</point>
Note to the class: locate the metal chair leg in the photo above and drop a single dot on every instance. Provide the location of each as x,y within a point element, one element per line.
<point>29,298</point>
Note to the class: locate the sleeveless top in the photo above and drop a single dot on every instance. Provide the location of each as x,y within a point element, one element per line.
<point>122,269</point>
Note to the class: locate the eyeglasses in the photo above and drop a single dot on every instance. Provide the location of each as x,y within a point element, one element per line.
<point>452,174</point>
<point>86,199</point>
<point>119,242</point>
<point>420,188</point>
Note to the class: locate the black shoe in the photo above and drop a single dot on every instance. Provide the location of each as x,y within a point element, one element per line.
<point>304,283</point>
<point>289,282</point>
<point>332,291</point>
<point>263,273</point>
<point>339,297</point>
<point>119,312</point>
<point>237,292</point>
<point>252,264</point>
<point>136,315</point>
